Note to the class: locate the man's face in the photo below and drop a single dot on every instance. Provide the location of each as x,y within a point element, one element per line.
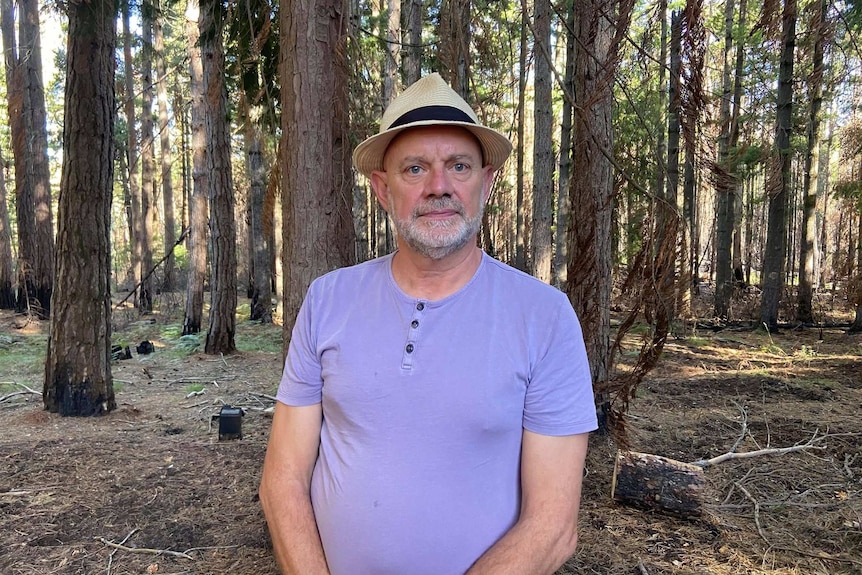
<point>434,188</point>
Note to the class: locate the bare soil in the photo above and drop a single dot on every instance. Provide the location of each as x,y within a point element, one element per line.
<point>153,476</point>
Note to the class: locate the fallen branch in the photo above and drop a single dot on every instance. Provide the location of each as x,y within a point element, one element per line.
<point>810,444</point>
<point>16,393</point>
<point>751,498</point>
<point>144,549</point>
<point>263,395</point>
<point>111,556</point>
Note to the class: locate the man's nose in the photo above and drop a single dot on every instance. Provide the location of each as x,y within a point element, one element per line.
<point>439,182</point>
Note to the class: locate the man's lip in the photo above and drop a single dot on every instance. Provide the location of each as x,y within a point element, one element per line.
<point>439,213</point>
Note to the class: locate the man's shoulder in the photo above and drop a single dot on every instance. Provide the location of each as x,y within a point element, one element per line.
<point>351,276</point>
<point>519,283</point>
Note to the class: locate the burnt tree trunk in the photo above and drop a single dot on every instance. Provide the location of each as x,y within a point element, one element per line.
<point>78,365</point>
<point>654,482</point>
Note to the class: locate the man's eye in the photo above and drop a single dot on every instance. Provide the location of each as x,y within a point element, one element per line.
<point>414,170</point>
<point>459,167</point>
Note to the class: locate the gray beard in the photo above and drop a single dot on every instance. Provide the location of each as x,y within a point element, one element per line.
<point>442,239</point>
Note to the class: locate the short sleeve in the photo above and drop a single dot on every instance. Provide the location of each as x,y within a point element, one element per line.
<point>559,398</point>
<point>302,382</point>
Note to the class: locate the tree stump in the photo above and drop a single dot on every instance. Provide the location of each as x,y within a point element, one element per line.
<point>659,483</point>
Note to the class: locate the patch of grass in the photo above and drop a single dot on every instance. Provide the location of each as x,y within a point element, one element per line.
<point>22,356</point>
<point>772,349</point>
<point>194,388</point>
<point>697,341</point>
<point>254,336</point>
<point>186,345</point>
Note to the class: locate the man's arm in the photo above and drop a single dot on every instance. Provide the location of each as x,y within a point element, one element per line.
<point>284,489</point>
<point>546,532</point>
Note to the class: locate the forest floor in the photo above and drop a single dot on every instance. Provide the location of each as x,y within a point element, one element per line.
<point>149,488</point>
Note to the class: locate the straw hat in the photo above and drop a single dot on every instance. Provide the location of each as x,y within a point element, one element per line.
<point>429,102</point>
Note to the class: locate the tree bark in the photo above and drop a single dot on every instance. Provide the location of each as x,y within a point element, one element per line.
<point>565,169</point>
<point>78,366</point>
<point>411,12</point>
<point>779,182</point>
<point>600,26</point>
<point>808,252</point>
<point>7,292</point>
<point>37,155</point>
<point>654,482</point>
<point>134,211</point>
<point>169,276</point>
<point>520,176</point>
<point>222,319</point>
<point>261,298</point>
<point>726,181</point>
<point>316,171</point>
<point>148,180</point>
<point>541,242</point>
<point>454,51</point>
<point>198,209</point>
<point>25,217</point>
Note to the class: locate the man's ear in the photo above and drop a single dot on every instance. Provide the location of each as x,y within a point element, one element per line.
<point>381,189</point>
<point>487,182</point>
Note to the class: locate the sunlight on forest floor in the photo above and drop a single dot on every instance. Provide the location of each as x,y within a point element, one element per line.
<point>153,473</point>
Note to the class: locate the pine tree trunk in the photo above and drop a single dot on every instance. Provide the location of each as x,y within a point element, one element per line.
<point>25,217</point>
<point>261,298</point>
<point>134,211</point>
<point>541,242</point>
<point>565,169</point>
<point>37,154</point>
<point>779,182</point>
<point>78,366</point>
<point>148,180</point>
<point>198,209</point>
<point>7,292</point>
<point>317,176</point>
<point>223,296</point>
<point>726,182</point>
<point>169,279</point>
<point>520,176</point>
<point>591,189</point>
<point>411,12</point>
<point>804,308</point>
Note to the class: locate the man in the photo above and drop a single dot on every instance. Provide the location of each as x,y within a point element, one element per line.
<point>435,404</point>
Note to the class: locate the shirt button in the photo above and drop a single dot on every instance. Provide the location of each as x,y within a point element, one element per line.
<point>414,323</point>
<point>420,306</point>
<point>409,348</point>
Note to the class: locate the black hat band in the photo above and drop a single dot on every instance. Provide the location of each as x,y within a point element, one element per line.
<point>425,113</point>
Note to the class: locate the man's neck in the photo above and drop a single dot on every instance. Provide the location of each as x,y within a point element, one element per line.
<point>425,278</point>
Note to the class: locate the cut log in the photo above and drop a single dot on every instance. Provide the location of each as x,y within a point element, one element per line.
<point>658,483</point>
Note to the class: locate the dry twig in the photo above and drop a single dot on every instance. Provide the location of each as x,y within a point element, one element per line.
<point>144,549</point>
<point>756,510</point>
<point>810,444</point>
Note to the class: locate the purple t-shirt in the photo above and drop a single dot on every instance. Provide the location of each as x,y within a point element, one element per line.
<point>424,406</point>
